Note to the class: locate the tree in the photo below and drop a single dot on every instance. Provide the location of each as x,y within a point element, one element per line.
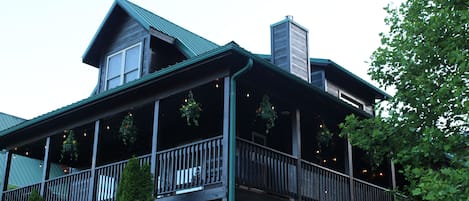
<point>424,127</point>
<point>136,183</point>
<point>35,196</point>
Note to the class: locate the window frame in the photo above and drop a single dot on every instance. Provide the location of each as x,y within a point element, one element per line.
<point>122,72</point>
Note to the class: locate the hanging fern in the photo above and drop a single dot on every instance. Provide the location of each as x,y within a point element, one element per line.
<point>128,130</point>
<point>190,110</point>
<point>266,111</point>
<point>324,136</point>
<point>69,147</point>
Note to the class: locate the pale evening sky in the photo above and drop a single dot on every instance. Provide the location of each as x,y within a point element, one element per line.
<point>41,42</point>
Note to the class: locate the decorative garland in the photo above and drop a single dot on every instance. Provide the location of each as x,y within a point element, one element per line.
<point>190,110</point>
<point>69,147</point>
<point>266,111</point>
<point>128,130</point>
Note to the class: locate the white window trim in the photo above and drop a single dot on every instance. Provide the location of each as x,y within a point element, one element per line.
<point>122,70</point>
<point>356,103</point>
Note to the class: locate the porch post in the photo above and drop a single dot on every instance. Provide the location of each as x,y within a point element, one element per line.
<point>393,178</point>
<point>45,167</point>
<point>350,169</point>
<point>93,161</point>
<point>6,173</point>
<point>226,131</point>
<point>296,140</point>
<point>154,143</point>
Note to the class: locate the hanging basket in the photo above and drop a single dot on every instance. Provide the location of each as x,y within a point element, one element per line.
<point>190,110</point>
<point>128,130</point>
<point>266,111</point>
<point>69,147</point>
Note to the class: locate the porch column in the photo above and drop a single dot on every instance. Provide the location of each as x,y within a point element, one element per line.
<point>6,173</point>
<point>393,178</point>
<point>45,167</point>
<point>350,170</point>
<point>154,142</point>
<point>226,132</point>
<point>296,148</point>
<point>93,161</point>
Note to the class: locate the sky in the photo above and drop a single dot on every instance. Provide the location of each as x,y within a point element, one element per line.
<point>42,42</point>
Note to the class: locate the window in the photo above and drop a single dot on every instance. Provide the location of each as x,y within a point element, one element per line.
<point>123,66</point>
<point>350,100</point>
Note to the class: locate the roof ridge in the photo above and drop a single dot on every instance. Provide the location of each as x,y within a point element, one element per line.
<point>150,12</point>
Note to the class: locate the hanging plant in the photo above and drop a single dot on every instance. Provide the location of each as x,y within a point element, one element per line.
<point>266,112</point>
<point>128,130</point>
<point>324,135</point>
<point>69,147</point>
<point>190,110</point>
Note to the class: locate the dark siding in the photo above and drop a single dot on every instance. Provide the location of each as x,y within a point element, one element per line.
<point>163,55</point>
<point>128,32</point>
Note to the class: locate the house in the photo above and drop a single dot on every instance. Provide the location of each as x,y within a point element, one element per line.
<point>214,122</point>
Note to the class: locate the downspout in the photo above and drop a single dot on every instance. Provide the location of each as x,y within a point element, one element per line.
<point>232,133</point>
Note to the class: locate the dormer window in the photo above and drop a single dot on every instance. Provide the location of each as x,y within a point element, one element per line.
<point>123,66</point>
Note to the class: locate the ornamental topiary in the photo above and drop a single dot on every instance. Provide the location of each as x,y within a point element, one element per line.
<point>136,183</point>
<point>34,196</point>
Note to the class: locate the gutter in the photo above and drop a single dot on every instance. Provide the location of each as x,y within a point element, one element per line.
<point>232,133</point>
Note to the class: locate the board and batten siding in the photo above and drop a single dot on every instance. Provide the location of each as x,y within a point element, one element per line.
<point>128,33</point>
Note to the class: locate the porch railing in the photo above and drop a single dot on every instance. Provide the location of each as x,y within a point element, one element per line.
<point>368,191</point>
<point>264,168</point>
<point>20,194</point>
<point>68,187</point>
<point>189,167</point>
<point>319,183</point>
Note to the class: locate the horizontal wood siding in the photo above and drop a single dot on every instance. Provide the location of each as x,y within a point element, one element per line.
<point>127,33</point>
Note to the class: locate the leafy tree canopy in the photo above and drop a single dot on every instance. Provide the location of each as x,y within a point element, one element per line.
<point>424,127</point>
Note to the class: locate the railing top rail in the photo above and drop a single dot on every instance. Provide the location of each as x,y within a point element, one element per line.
<point>190,144</point>
<point>324,168</point>
<point>266,148</point>
<point>69,175</point>
<point>370,184</point>
<point>19,188</point>
<point>123,161</point>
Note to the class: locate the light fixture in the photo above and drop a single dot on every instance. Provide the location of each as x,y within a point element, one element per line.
<point>107,127</point>
<point>216,85</point>
<point>27,153</point>
<point>65,170</point>
<point>40,165</point>
<point>130,114</point>
<point>324,161</point>
<point>381,174</point>
<point>65,136</point>
<point>185,100</point>
<point>364,171</point>
<point>84,134</point>
<point>16,148</point>
<point>248,95</point>
<point>317,151</point>
<point>273,108</point>
<point>334,159</point>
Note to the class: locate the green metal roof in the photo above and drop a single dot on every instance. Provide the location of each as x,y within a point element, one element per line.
<point>26,171</point>
<point>347,72</point>
<point>191,43</point>
<point>7,121</point>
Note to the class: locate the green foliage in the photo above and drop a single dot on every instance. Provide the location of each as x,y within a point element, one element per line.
<point>266,111</point>
<point>69,147</point>
<point>424,127</point>
<point>190,110</point>
<point>136,183</point>
<point>128,130</point>
<point>34,196</point>
<point>324,136</point>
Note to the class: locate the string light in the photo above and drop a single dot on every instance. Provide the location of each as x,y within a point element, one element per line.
<point>65,136</point>
<point>324,161</point>
<point>27,153</point>
<point>185,100</point>
<point>130,114</point>
<point>248,95</point>
<point>317,151</point>
<point>84,134</point>
<point>334,159</point>
<point>364,171</point>
<point>107,127</point>
<point>273,108</point>
<point>216,85</point>
<point>16,148</point>
<point>381,174</point>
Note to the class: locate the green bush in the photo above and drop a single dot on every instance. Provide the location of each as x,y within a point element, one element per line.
<point>136,183</point>
<point>35,196</point>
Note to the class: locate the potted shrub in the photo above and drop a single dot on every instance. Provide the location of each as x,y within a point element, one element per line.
<point>34,196</point>
<point>136,183</point>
